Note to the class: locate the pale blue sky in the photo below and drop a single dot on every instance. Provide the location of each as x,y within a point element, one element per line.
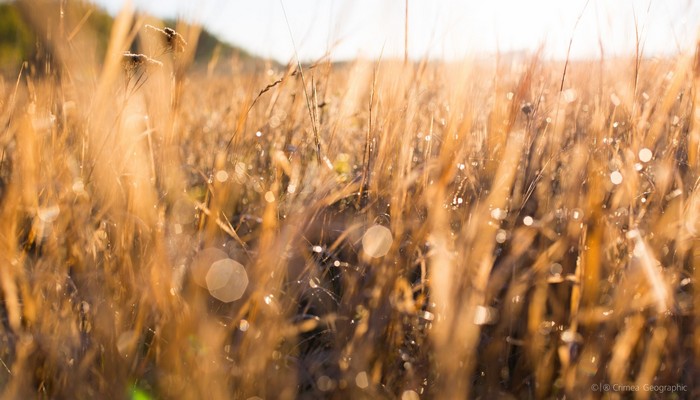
<point>439,28</point>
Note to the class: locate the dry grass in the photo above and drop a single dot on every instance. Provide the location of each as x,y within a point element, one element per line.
<point>518,265</point>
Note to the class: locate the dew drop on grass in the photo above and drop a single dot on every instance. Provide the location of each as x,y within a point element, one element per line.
<point>576,214</point>
<point>361,380</point>
<point>240,168</point>
<point>501,236</point>
<point>78,186</point>
<point>49,213</point>
<point>498,214</point>
<point>243,325</point>
<point>485,315</point>
<point>615,100</point>
<point>183,211</point>
<point>528,221</point>
<point>203,261</point>
<point>570,95</point>
<point>556,269</point>
<point>221,176</point>
<point>269,197</point>
<point>258,134</point>
<point>427,315</point>
<point>645,155</point>
<point>377,241</point>
<point>569,336</point>
<point>125,341</point>
<point>616,178</point>
<point>325,383</point>
<point>227,280</point>
<point>410,395</point>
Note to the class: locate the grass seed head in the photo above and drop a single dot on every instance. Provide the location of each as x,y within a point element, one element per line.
<point>171,40</point>
<point>132,61</point>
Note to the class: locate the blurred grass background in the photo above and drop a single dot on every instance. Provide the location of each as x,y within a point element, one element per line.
<point>197,223</point>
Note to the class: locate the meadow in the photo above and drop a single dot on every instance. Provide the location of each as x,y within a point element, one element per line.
<point>501,227</point>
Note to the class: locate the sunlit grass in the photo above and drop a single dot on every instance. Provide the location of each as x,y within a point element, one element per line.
<point>375,230</point>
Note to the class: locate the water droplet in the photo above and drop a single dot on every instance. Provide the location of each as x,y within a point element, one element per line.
<point>48,214</point>
<point>485,315</point>
<point>428,138</point>
<point>377,241</point>
<point>126,342</point>
<point>203,261</point>
<point>556,269</point>
<point>240,168</point>
<point>570,95</point>
<point>78,186</point>
<point>243,325</point>
<point>616,177</point>
<point>317,249</point>
<point>528,221</point>
<point>498,214</point>
<point>410,395</point>
<point>269,197</point>
<point>569,336</point>
<point>227,280</point>
<point>576,214</point>
<point>645,155</point>
<point>427,315</point>
<point>546,327</point>
<point>325,383</point>
<point>221,175</point>
<point>501,236</point>
<point>614,99</point>
<point>183,211</point>
<point>361,380</point>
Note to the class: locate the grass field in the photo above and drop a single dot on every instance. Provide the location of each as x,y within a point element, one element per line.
<point>493,228</point>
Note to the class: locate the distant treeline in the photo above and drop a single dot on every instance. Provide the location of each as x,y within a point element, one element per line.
<point>20,41</point>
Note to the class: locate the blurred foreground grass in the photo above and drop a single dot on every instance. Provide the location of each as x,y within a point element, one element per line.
<point>366,230</point>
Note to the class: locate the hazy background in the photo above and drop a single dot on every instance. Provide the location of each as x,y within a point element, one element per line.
<point>442,29</point>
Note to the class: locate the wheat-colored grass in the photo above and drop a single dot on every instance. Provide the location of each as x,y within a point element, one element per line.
<point>518,265</point>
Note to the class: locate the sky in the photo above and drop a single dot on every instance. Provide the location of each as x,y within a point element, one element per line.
<point>446,29</point>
